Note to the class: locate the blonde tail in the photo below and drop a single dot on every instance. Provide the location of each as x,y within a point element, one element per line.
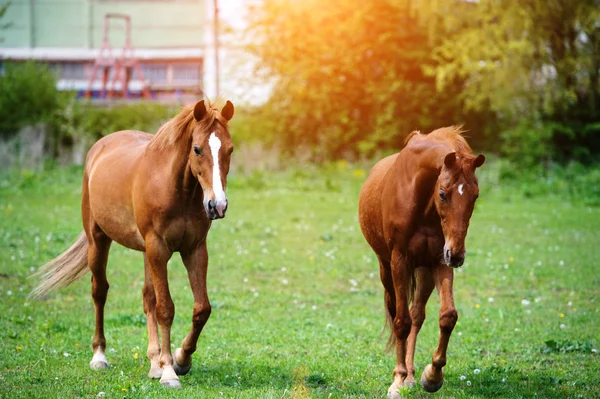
<point>64,269</point>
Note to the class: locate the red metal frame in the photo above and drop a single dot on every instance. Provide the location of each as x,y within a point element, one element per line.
<point>123,65</point>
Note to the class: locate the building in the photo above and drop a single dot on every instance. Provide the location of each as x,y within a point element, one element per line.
<point>167,36</point>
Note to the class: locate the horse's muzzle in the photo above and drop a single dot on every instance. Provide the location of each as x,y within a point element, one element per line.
<point>216,209</point>
<point>453,260</point>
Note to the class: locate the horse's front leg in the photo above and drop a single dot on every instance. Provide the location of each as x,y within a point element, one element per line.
<point>157,256</point>
<point>196,263</point>
<point>432,378</point>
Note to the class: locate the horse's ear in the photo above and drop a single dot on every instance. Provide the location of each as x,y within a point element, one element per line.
<point>199,111</point>
<point>479,160</point>
<point>227,111</point>
<point>450,160</point>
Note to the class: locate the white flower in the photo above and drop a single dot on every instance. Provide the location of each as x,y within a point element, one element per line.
<point>561,263</point>
<point>314,307</point>
<point>490,299</point>
<point>245,279</point>
<point>562,326</point>
<point>594,350</point>
<point>468,383</point>
<point>570,303</point>
<point>65,354</point>
<point>503,379</point>
<point>459,333</point>
<point>462,378</point>
<point>283,269</point>
<point>353,282</point>
<point>9,292</point>
<point>255,294</point>
<point>525,302</point>
<point>476,371</point>
<point>100,395</point>
<point>516,330</point>
<point>284,281</point>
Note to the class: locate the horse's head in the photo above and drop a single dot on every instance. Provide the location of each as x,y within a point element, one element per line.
<point>457,190</point>
<point>210,155</point>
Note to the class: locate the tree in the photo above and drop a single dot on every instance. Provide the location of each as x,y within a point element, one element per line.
<point>349,74</point>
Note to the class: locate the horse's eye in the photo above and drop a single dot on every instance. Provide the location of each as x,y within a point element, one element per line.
<point>443,196</point>
<point>197,150</point>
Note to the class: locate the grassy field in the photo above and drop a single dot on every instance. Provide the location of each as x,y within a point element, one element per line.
<point>297,302</point>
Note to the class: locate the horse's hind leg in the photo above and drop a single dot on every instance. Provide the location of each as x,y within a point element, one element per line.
<point>150,310</point>
<point>423,289</point>
<point>432,378</point>
<point>99,245</point>
<point>196,264</point>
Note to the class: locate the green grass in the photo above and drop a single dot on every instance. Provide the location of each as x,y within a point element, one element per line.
<point>297,302</point>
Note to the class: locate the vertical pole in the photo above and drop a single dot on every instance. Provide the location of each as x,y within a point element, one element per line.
<point>216,35</point>
<point>31,23</point>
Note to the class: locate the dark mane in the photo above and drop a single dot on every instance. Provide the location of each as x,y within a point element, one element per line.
<point>180,128</point>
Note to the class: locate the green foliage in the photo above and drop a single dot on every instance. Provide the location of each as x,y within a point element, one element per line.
<point>28,95</point>
<point>145,116</point>
<point>348,74</point>
<point>354,77</point>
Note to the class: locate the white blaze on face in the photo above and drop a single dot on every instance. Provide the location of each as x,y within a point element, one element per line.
<point>215,144</point>
<point>460,189</point>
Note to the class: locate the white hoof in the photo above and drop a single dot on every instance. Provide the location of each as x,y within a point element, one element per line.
<point>155,373</point>
<point>98,365</point>
<point>431,386</point>
<point>393,391</point>
<point>180,369</point>
<point>174,383</point>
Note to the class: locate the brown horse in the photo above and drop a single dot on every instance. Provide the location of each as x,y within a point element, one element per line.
<point>146,193</point>
<point>414,211</point>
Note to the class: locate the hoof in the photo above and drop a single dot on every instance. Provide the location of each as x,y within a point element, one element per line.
<point>179,369</point>
<point>98,365</point>
<point>393,391</point>
<point>155,373</point>
<point>174,383</point>
<point>410,384</point>
<point>431,386</point>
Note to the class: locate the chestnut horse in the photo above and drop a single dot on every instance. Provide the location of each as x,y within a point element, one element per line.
<point>414,211</point>
<point>156,194</point>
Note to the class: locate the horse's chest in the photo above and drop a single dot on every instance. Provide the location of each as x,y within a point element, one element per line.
<point>425,248</point>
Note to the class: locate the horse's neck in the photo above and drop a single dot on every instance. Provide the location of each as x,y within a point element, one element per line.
<point>174,163</point>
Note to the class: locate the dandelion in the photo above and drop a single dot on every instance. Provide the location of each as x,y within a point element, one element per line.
<point>476,371</point>
<point>284,281</point>
<point>19,348</point>
<point>468,383</point>
<point>255,294</point>
<point>477,306</point>
<point>570,303</point>
<point>314,307</point>
<point>490,299</point>
<point>354,283</point>
<point>562,315</point>
<point>9,293</point>
<point>562,326</point>
<point>503,379</point>
<point>462,378</point>
<point>100,394</point>
<point>516,330</point>
<point>594,350</point>
<point>525,302</point>
<point>284,269</point>
<point>136,356</point>
<point>245,280</point>
<point>511,259</point>
<point>65,354</point>
<point>123,389</point>
<point>561,263</point>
